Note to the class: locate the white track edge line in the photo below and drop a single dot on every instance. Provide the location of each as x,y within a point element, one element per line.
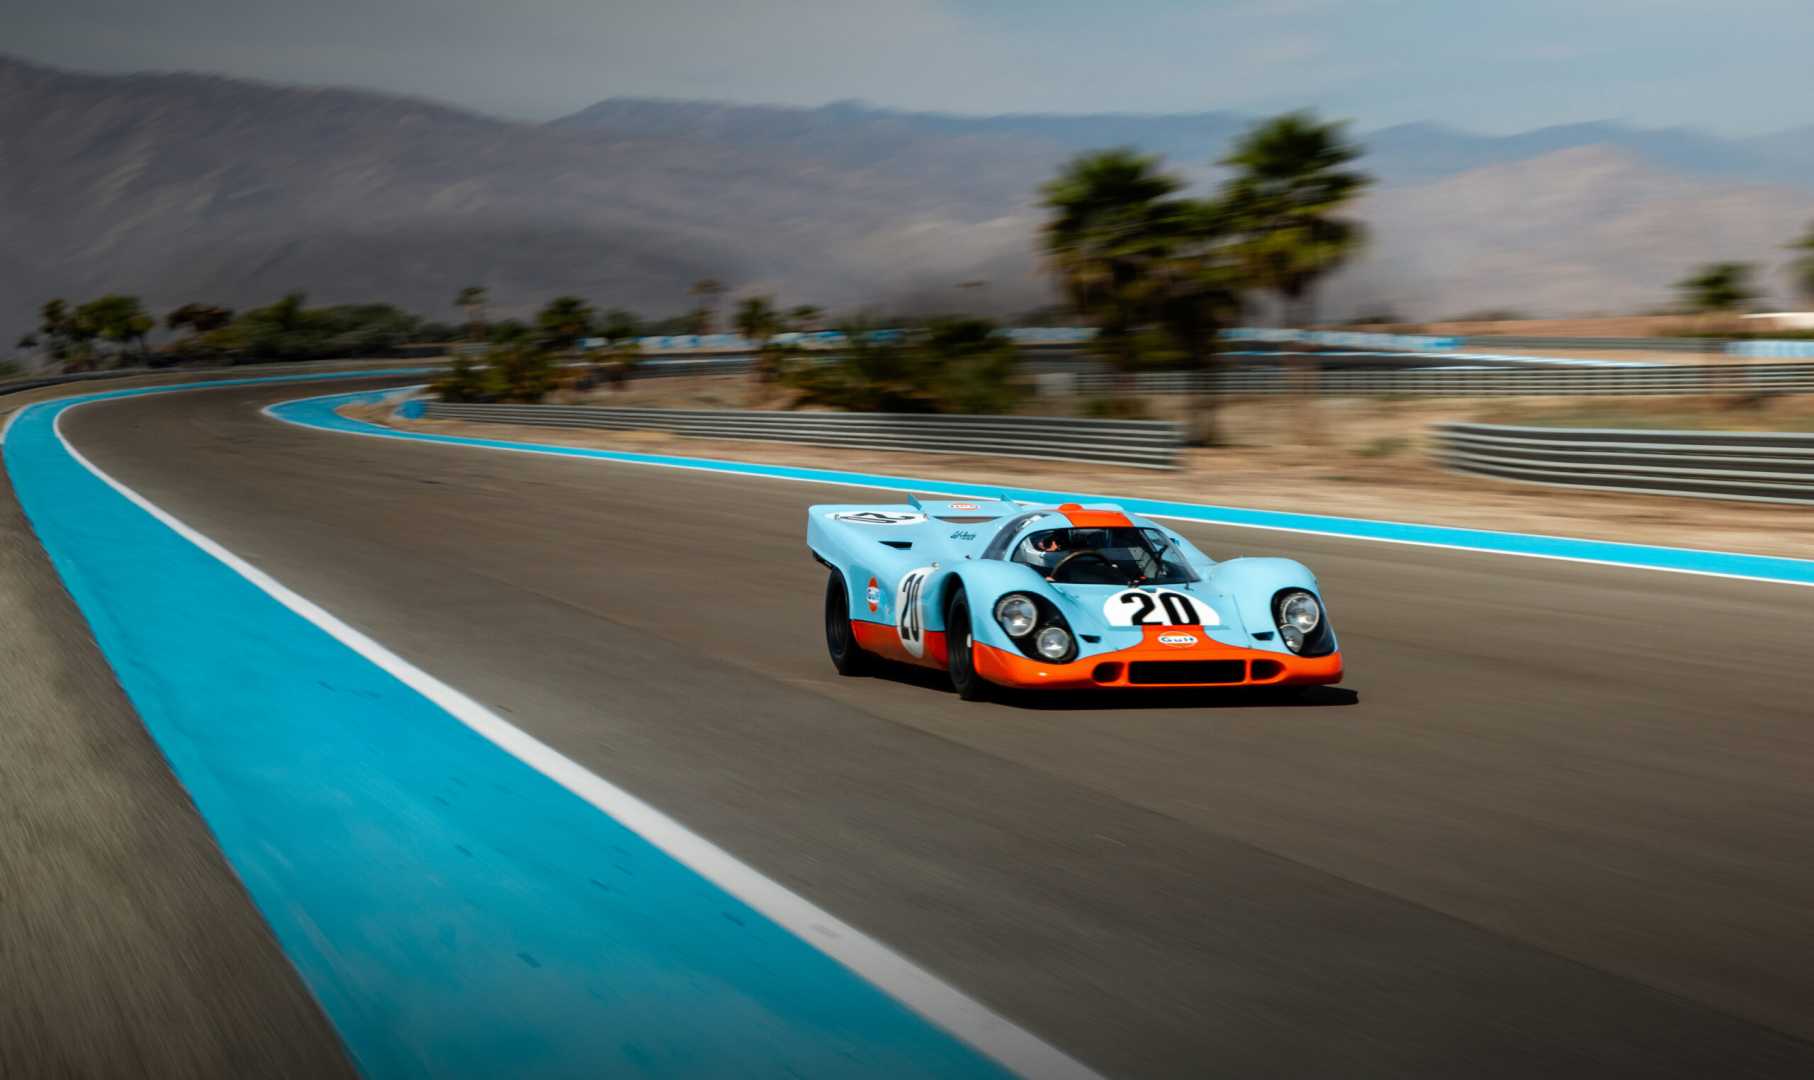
<point>939,1002</point>
<point>554,450</point>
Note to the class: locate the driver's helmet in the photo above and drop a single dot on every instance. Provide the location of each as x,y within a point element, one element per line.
<point>1045,548</point>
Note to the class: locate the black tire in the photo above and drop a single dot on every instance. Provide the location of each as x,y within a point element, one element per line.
<point>959,650</point>
<point>846,655</point>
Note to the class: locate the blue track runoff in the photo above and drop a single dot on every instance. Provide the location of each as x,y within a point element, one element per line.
<point>322,412</point>
<point>454,911</point>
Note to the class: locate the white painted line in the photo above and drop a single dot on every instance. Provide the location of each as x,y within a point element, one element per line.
<point>930,488</point>
<point>944,1005</point>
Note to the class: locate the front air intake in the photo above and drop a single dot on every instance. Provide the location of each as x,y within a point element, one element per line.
<point>1186,672</point>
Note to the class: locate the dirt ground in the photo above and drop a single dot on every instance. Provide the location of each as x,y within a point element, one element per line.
<point>1774,413</point>
<point>1369,458</point>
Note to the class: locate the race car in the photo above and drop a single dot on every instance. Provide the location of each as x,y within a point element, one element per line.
<point>1001,593</point>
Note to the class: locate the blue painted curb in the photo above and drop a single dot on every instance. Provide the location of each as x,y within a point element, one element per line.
<point>320,413</point>
<point>456,912</point>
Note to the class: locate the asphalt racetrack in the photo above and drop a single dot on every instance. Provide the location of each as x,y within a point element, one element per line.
<point>1556,821</point>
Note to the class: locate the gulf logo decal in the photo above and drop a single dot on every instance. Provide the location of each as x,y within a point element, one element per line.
<point>1177,640</point>
<point>873,595</point>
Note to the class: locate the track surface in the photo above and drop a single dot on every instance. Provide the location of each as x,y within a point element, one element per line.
<point>1557,820</point>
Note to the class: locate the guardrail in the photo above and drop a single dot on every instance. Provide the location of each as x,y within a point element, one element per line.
<point>1759,467</point>
<point>1484,382</point>
<point>35,382</point>
<point>1146,444</point>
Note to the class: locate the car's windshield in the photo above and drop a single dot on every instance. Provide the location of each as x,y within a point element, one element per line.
<point>1104,556</point>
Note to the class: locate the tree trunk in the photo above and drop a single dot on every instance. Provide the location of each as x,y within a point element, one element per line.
<point>1206,430</point>
<point>1307,374</point>
<point>1207,399</point>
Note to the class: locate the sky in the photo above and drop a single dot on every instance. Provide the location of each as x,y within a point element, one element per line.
<point>1499,66</point>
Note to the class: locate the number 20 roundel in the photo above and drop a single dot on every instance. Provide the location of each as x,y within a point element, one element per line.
<point>909,611</point>
<point>1136,607</point>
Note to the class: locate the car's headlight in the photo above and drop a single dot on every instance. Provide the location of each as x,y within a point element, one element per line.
<point>1298,616</point>
<point>1017,614</point>
<point>1053,643</point>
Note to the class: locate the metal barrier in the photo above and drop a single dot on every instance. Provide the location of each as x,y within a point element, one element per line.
<point>1146,444</point>
<point>1762,467</point>
<point>1559,380</point>
<point>35,382</point>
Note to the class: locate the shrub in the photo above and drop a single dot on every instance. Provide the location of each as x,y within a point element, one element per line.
<point>953,366</point>
<point>465,381</point>
<point>523,372</point>
<point>518,372</point>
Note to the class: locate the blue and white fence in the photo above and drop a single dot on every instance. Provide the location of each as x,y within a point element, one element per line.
<point>1059,337</point>
<point>1772,350</point>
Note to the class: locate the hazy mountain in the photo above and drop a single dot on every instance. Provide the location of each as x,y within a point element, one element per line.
<point>1576,231</point>
<point>183,187</point>
<point>862,136</point>
<point>993,155</point>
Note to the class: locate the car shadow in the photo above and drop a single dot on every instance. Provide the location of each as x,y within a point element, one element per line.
<point>1202,697</point>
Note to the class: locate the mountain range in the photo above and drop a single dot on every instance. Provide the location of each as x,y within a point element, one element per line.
<point>183,187</point>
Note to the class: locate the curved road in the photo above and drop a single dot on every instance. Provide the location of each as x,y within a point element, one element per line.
<point>1557,819</point>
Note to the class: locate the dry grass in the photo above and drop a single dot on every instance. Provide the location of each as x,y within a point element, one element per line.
<point>1603,326</point>
<point>1729,413</point>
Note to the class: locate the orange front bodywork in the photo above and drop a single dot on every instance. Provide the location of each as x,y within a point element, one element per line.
<point>1233,666</point>
<point>1250,667</point>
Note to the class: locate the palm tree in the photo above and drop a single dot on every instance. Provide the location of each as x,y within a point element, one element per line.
<point>54,327</point>
<point>758,321</point>
<point>116,318</point>
<point>1289,182</point>
<point>708,290</point>
<point>199,318</point>
<point>472,300</point>
<point>563,322</point>
<point>619,326</point>
<point>620,330</point>
<point>26,345</point>
<point>288,314</point>
<point>805,317</point>
<point>1803,266</point>
<point>1112,220</point>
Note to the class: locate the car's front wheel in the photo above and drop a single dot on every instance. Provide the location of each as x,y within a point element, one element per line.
<point>846,655</point>
<point>960,650</point>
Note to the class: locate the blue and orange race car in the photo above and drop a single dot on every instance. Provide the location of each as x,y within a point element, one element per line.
<point>1010,594</point>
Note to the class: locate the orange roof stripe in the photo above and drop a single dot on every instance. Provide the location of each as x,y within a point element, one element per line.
<point>1095,519</point>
